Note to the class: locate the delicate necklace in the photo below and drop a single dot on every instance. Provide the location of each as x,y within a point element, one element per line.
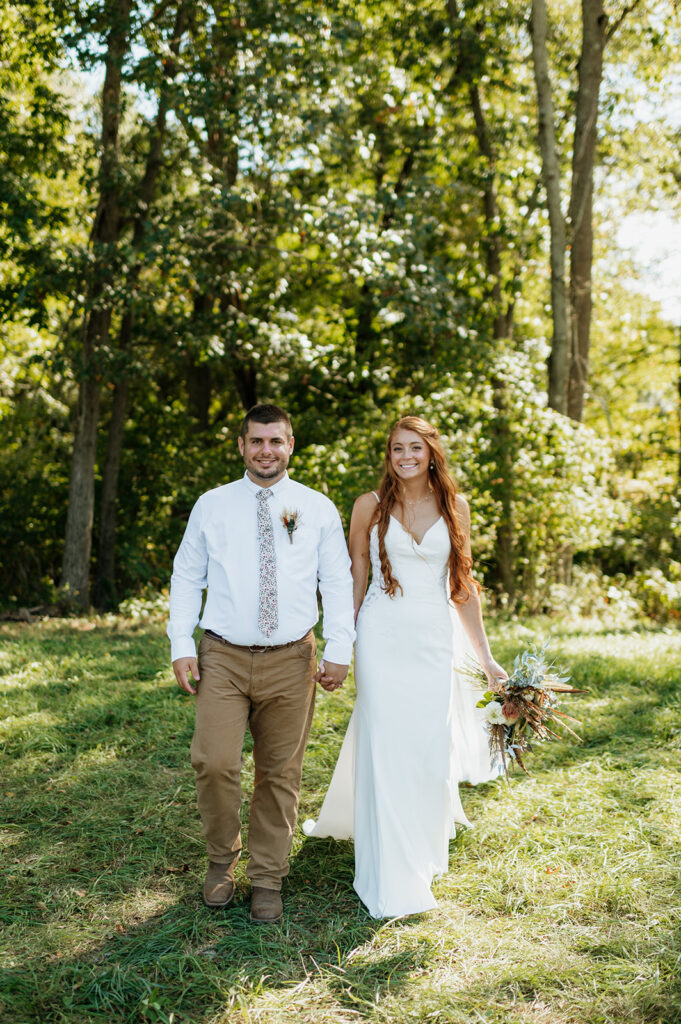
<point>424,497</point>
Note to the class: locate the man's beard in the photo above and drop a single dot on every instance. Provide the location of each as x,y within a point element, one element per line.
<point>276,469</point>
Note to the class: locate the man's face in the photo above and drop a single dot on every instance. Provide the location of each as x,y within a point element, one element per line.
<point>266,450</point>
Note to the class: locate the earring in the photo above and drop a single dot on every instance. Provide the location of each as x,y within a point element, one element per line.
<point>431,464</point>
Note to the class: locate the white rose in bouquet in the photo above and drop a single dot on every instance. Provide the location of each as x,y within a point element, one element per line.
<point>494,714</point>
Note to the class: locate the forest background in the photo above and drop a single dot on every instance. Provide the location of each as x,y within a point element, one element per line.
<point>356,211</point>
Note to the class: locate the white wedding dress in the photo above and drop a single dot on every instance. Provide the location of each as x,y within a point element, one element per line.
<point>414,734</point>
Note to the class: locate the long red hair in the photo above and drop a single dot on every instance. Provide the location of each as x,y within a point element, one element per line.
<point>461,582</point>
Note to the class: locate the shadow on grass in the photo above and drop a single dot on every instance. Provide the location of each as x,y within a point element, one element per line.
<point>520,993</point>
<point>193,962</point>
<point>103,842</point>
<point>104,856</point>
<point>628,715</point>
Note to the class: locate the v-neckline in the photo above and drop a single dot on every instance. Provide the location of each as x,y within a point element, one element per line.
<point>410,534</point>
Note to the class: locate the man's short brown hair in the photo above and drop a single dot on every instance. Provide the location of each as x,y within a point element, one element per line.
<point>265,414</point>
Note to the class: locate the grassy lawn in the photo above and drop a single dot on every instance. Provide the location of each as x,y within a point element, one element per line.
<point>562,904</point>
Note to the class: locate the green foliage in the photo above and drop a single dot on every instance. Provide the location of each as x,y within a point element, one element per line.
<point>649,531</point>
<point>318,237</point>
<point>558,477</point>
<point>34,159</point>
<point>34,452</point>
<point>659,593</point>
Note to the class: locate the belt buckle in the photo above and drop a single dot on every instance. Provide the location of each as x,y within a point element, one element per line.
<point>258,648</point>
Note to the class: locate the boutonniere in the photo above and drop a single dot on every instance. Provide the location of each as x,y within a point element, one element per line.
<point>290,520</point>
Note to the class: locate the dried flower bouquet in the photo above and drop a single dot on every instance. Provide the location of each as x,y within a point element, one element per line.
<point>523,708</point>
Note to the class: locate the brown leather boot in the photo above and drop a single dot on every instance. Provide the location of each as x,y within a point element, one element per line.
<point>218,889</point>
<point>266,905</point>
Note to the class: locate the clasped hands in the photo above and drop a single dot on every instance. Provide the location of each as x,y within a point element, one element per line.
<point>329,675</point>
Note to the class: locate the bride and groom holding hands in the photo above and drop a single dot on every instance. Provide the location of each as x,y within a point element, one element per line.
<point>261,547</point>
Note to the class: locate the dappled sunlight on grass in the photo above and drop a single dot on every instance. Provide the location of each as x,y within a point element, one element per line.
<point>561,905</point>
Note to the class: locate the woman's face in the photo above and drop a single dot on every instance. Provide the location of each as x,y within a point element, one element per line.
<point>409,455</point>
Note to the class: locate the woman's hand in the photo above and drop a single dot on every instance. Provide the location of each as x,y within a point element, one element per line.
<point>494,672</point>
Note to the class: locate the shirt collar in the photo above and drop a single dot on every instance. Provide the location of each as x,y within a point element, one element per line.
<point>276,489</point>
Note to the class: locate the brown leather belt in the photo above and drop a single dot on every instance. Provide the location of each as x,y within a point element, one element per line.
<point>253,648</point>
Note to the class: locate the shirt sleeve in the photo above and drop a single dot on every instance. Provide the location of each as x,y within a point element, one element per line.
<point>335,585</point>
<point>189,578</point>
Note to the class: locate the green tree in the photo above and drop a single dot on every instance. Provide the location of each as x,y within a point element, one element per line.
<point>571,232</point>
<point>114,21</point>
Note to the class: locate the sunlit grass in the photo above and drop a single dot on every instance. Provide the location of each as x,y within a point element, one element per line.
<point>562,905</point>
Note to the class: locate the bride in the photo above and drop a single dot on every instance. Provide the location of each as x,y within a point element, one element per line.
<point>414,733</point>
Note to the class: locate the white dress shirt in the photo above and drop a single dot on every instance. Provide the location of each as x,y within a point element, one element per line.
<point>219,551</point>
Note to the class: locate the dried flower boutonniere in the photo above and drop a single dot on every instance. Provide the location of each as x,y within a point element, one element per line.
<point>290,521</point>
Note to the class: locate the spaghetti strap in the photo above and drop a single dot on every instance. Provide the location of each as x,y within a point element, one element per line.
<point>376,496</point>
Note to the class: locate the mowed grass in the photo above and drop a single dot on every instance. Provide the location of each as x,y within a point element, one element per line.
<point>562,905</point>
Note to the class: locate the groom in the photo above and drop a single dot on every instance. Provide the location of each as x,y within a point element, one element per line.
<point>260,546</point>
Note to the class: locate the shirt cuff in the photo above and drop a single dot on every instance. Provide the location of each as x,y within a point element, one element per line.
<point>337,653</point>
<point>182,647</point>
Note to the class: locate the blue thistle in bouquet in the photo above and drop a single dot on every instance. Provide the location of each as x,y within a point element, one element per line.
<point>524,707</point>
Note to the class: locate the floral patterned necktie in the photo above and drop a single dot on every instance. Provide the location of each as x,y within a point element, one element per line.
<point>268,615</point>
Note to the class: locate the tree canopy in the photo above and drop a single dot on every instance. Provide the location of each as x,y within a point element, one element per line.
<point>356,212</point>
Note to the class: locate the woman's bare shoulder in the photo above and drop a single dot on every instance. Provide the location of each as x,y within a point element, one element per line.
<point>364,508</point>
<point>368,500</point>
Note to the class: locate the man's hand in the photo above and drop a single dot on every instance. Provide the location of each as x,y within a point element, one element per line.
<point>330,676</point>
<point>185,669</point>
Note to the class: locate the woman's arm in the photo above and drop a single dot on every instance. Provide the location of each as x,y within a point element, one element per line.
<point>360,524</point>
<point>470,611</point>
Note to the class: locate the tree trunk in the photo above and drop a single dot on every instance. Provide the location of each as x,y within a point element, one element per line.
<point>223,153</point>
<point>502,319</point>
<point>76,559</point>
<point>105,585</point>
<point>581,255</point>
<point>78,540</point>
<point>199,389</point>
<point>559,359</point>
<point>580,212</point>
<point>504,542</point>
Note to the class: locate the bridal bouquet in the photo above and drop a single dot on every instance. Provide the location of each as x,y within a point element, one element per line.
<point>523,708</point>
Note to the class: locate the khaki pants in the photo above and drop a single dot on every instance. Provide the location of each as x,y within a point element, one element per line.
<point>273,693</point>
